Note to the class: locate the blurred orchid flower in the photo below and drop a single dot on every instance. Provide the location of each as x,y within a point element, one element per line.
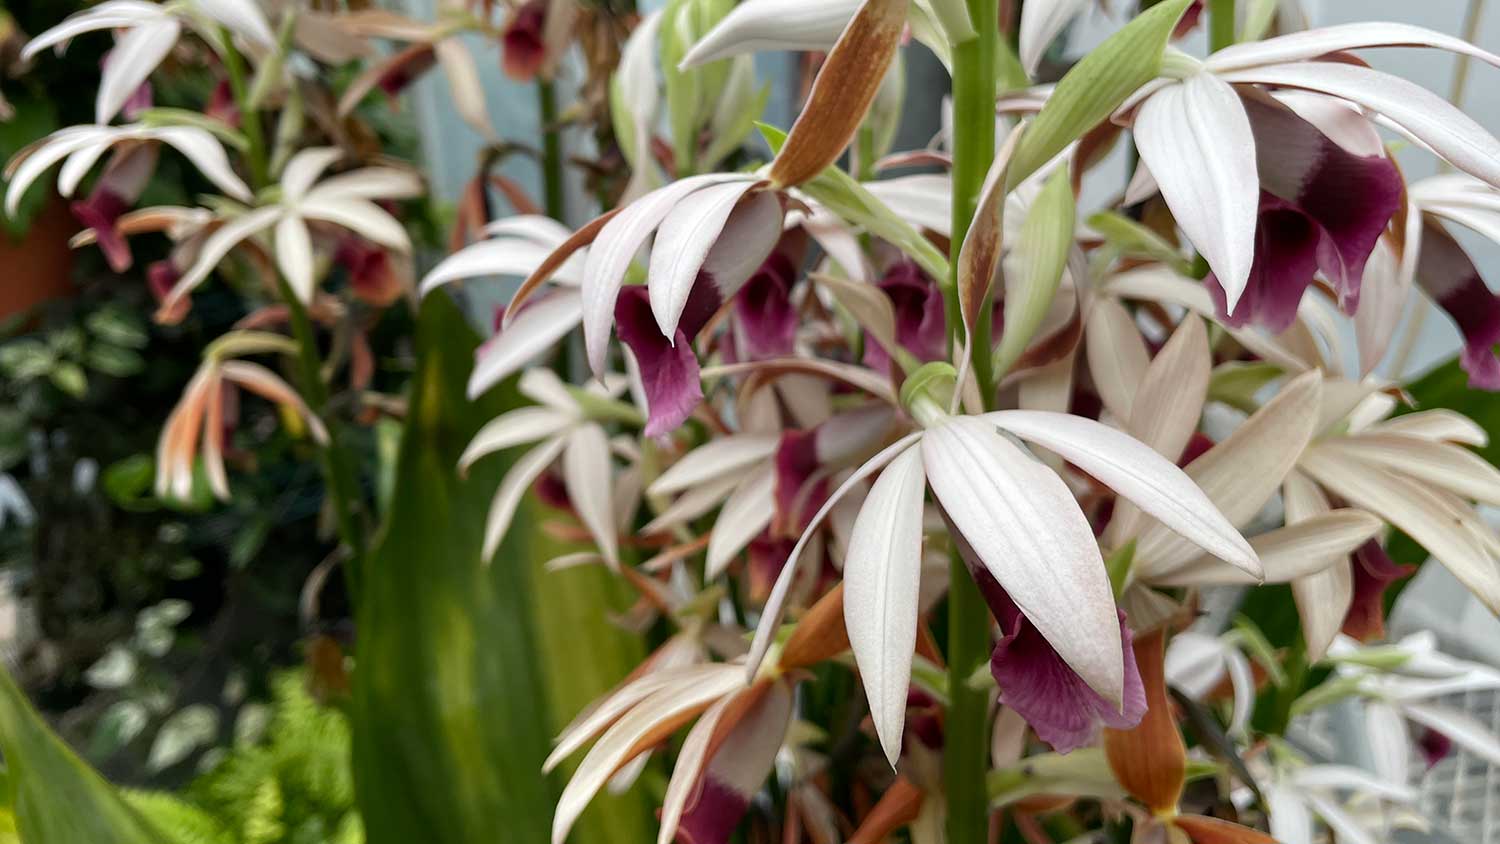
<point>1300,796</point>
<point>197,425</point>
<point>561,422</point>
<point>345,200</point>
<point>150,31</point>
<point>82,147</point>
<point>1216,151</point>
<point>439,43</point>
<point>1400,684</point>
<point>518,246</point>
<point>1415,474</point>
<point>1197,663</point>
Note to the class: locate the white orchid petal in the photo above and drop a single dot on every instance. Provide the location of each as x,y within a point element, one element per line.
<point>535,331</point>
<point>1312,43</point>
<point>294,255</point>
<point>1041,22</point>
<point>621,742</point>
<point>745,515</point>
<point>242,17</point>
<point>1196,138</point>
<point>761,25</point>
<point>112,14</point>
<point>523,473</point>
<point>1465,730</point>
<point>360,216</point>
<point>586,474</point>
<point>1439,425</point>
<point>717,458</point>
<point>1390,743</point>
<point>33,161</point>
<point>304,168</point>
<point>882,579</point>
<point>464,87</point>
<point>218,245</point>
<point>1323,597</point>
<point>1240,474</point>
<point>508,430</point>
<point>618,242</point>
<point>207,154</point>
<point>775,609</point>
<point>1117,356</point>
<point>499,257</point>
<point>1025,526</point>
<point>1439,464</point>
<point>1150,481</point>
<point>1410,108</point>
<point>135,55</point>
<point>682,244</point>
<point>1451,534</point>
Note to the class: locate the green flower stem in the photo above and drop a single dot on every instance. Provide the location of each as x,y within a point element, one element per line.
<point>552,162</point>
<point>234,66</point>
<point>966,754</point>
<point>338,471</point>
<point>1221,24</point>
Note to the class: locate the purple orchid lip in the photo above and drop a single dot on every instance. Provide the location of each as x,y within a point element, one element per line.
<point>1449,276</point>
<point>1039,685</point>
<point>921,324</point>
<point>525,48</point>
<point>1374,570</point>
<point>1322,209</point>
<point>669,368</point>
<point>100,212</point>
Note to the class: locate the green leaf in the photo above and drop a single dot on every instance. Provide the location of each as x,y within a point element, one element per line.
<point>68,377</point>
<point>57,799</point>
<point>1135,240</point>
<point>848,198</point>
<point>1097,85</point>
<point>1041,256</point>
<point>450,728</point>
<point>457,660</point>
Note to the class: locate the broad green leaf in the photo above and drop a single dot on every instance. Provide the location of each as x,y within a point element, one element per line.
<point>1039,256</point>
<point>465,671</point>
<point>450,723</point>
<point>56,797</point>
<point>1097,85</point>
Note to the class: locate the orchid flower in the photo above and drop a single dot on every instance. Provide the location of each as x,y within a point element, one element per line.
<point>996,497</point>
<point>82,147</point>
<point>713,231</point>
<point>150,31</point>
<point>1445,271</point>
<point>1264,219</point>
<point>562,424</point>
<point>197,424</point>
<point>344,201</point>
<point>1300,796</point>
<point>1197,663</point>
<point>1399,684</point>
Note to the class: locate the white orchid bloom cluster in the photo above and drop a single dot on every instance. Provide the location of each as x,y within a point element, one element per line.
<point>982,447</point>
<point>833,406</point>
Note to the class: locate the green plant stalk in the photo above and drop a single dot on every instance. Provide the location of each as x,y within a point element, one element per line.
<point>1221,24</point>
<point>338,471</point>
<point>234,66</point>
<point>552,162</point>
<point>965,757</point>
